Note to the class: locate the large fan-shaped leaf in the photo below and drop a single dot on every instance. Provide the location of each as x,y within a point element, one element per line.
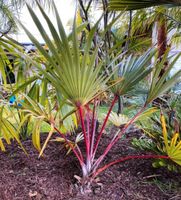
<point>69,70</point>
<point>131,71</point>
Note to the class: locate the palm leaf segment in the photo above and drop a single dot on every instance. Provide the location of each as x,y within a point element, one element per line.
<point>70,70</point>
<point>159,85</point>
<point>8,131</point>
<point>134,5</point>
<point>118,119</point>
<point>132,70</point>
<point>173,147</point>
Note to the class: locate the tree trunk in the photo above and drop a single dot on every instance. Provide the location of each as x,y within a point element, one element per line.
<point>162,40</point>
<point>162,37</point>
<point>162,47</point>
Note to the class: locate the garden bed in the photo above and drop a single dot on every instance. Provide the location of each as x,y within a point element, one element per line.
<point>52,176</point>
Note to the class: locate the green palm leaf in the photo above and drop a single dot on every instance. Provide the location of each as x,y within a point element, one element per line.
<point>8,131</point>
<point>134,5</point>
<point>69,70</point>
<point>158,84</point>
<point>131,71</point>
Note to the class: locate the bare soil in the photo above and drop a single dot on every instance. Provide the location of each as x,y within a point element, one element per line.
<point>52,176</point>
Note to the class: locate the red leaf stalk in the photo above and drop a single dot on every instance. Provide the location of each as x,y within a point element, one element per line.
<point>84,131</point>
<point>104,124</point>
<point>93,118</point>
<point>114,140</point>
<point>128,158</point>
<point>88,130</point>
<point>93,128</point>
<point>93,115</point>
<point>80,153</point>
<point>93,138</point>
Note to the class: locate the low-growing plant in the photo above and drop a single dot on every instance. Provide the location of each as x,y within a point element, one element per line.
<point>153,139</point>
<point>31,84</point>
<point>8,128</point>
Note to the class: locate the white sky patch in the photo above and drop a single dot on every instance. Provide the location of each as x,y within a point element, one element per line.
<point>66,11</point>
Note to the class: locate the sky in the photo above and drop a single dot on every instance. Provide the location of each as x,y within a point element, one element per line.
<point>66,11</point>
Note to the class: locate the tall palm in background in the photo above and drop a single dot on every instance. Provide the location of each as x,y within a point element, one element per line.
<point>161,17</point>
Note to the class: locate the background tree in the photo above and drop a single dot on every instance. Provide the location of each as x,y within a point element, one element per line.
<point>161,17</point>
<point>9,9</point>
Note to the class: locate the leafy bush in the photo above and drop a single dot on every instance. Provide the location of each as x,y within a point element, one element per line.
<point>153,140</point>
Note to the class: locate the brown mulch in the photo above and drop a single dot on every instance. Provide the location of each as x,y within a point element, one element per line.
<point>52,176</point>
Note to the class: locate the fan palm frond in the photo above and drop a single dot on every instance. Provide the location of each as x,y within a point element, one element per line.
<point>131,71</point>
<point>70,71</point>
<point>160,84</point>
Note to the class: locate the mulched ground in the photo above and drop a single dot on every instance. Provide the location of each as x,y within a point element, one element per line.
<point>52,177</point>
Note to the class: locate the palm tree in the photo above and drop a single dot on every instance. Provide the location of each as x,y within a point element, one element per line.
<point>161,16</point>
<point>6,18</point>
<point>10,8</point>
